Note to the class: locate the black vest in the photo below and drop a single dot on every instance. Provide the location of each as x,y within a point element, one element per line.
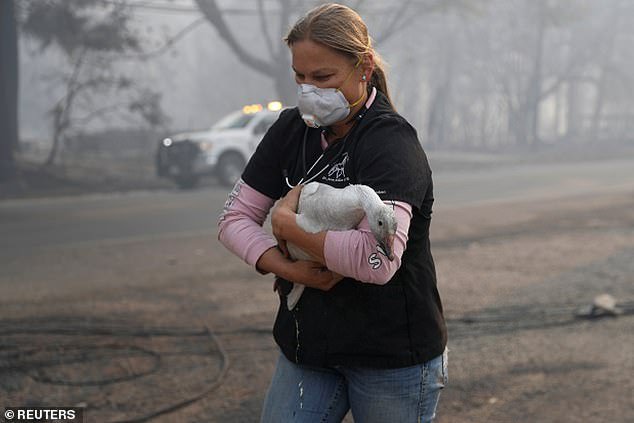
<point>398,324</point>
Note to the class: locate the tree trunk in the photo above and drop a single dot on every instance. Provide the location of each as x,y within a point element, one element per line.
<point>484,141</point>
<point>535,84</point>
<point>557,123</point>
<point>518,119</point>
<point>62,110</point>
<point>438,129</point>
<point>572,111</point>
<point>606,60</point>
<point>8,89</point>
<point>58,128</point>
<point>284,83</point>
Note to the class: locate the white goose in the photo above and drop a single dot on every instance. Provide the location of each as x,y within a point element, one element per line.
<point>322,208</point>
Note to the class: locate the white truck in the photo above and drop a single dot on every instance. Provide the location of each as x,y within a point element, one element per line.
<point>223,150</point>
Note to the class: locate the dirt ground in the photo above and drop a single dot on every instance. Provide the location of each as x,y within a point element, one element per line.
<point>181,328</point>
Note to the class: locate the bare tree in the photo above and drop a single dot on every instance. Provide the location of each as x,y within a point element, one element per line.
<point>392,17</point>
<point>610,65</point>
<point>277,66</point>
<point>508,60</point>
<point>92,35</point>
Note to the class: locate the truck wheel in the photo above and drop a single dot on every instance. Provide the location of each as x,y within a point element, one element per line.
<point>186,181</point>
<point>230,169</point>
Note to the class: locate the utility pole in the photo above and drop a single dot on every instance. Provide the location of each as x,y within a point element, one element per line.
<point>8,89</point>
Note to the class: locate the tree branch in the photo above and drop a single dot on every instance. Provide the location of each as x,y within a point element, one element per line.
<point>401,19</point>
<point>73,88</point>
<point>264,27</point>
<point>96,113</point>
<point>168,43</point>
<point>214,15</point>
<point>564,76</point>
<point>285,16</point>
<point>392,27</point>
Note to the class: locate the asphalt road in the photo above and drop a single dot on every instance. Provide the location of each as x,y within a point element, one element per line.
<point>101,218</point>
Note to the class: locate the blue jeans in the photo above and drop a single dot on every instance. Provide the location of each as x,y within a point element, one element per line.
<point>303,394</point>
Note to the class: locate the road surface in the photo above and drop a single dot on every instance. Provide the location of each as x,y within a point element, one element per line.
<point>102,218</point>
<point>106,300</point>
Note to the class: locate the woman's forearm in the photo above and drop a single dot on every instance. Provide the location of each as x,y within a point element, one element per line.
<point>273,261</point>
<point>356,253</point>
<point>240,223</point>
<point>302,271</point>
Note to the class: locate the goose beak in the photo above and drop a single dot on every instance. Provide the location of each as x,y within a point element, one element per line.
<point>388,247</point>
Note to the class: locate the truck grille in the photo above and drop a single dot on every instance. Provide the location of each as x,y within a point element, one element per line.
<point>180,153</point>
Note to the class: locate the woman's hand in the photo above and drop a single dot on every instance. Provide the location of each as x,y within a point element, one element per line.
<point>285,209</point>
<point>291,199</point>
<point>306,272</point>
<point>313,274</point>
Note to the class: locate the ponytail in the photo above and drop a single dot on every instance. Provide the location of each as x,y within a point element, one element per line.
<point>379,78</point>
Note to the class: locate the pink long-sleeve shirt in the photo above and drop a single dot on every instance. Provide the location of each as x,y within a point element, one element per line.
<point>353,253</point>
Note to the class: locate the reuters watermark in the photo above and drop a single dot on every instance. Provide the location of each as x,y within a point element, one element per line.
<point>43,414</point>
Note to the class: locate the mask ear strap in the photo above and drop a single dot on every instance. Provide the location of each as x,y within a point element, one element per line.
<point>357,102</point>
<point>350,74</point>
<point>355,67</point>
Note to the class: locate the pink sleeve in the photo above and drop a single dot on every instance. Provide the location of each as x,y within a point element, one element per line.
<point>240,223</point>
<point>354,253</point>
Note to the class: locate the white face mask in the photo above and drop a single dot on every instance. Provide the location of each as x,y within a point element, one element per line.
<point>323,106</point>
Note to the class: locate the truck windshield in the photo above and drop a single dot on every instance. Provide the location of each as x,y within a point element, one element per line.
<point>233,121</point>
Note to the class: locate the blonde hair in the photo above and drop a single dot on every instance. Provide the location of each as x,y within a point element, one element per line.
<point>342,29</point>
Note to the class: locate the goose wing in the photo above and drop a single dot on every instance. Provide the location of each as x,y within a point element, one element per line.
<point>322,207</point>
<point>311,207</point>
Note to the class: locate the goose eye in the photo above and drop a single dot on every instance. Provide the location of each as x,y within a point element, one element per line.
<point>380,223</point>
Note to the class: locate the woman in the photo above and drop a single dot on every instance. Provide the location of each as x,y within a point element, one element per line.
<point>368,334</point>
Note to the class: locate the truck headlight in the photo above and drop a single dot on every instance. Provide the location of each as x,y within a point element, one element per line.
<point>167,142</point>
